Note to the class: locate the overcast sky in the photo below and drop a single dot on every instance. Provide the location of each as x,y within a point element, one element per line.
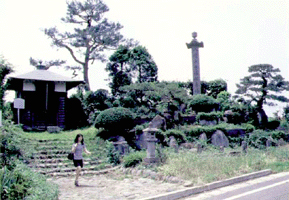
<point>236,34</point>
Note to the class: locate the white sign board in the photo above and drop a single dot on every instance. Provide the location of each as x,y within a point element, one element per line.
<point>19,103</point>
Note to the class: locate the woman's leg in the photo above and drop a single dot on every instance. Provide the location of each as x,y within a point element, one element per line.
<point>78,170</point>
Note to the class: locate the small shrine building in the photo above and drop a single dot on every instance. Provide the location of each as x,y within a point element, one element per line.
<point>45,95</point>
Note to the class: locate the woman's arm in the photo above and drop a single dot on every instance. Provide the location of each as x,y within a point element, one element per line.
<point>73,147</point>
<point>86,151</point>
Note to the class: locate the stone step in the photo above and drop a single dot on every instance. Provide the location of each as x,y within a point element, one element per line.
<point>68,169</point>
<point>97,172</point>
<point>58,160</point>
<point>49,152</point>
<point>43,156</point>
<point>55,165</point>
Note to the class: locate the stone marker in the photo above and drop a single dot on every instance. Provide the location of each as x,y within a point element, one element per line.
<point>220,139</point>
<point>151,145</point>
<point>173,143</point>
<point>281,142</point>
<point>244,146</point>
<point>268,143</point>
<point>203,137</point>
<point>199,148</point>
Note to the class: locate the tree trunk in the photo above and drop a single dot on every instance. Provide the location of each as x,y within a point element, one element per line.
<point>263,119</point>
<point>85,76</point>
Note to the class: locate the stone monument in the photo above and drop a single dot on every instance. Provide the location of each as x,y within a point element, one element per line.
<point>195,45</point>
<point>151,145</point>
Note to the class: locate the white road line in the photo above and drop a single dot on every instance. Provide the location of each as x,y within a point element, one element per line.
<point>257,190</point>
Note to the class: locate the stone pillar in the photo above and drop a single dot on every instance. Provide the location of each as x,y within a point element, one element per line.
<point>195,45</point>
<point>151,145</point>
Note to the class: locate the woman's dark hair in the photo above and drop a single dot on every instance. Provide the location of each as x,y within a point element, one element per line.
<point>76,139</point>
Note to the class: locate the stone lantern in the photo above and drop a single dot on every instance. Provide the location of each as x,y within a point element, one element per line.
<point>151,145</point>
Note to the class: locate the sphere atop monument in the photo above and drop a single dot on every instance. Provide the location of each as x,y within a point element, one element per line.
<point>195,35</point>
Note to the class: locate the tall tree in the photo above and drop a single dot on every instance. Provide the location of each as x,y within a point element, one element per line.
<point>118,68</point>
<point>91,36</point>
<point>143,65</point>
<point>262,86</point>
<point>5,69</point>
<point>127,64</point>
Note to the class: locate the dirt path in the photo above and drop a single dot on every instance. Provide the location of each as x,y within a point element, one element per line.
<point>112,186</point>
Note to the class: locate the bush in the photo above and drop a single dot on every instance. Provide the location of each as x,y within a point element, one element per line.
<point>23,183</point>
<point>17,181</point>
<point>272,125</point>
<point>179,135</point>
<point>115,119</point>
<point>133,158</point>
<point>113,156</point>
<point>209,116</point>
<point>203,103</point>
<point>258,139</point>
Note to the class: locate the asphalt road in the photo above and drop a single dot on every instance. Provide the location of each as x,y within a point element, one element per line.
<point>275,187</point>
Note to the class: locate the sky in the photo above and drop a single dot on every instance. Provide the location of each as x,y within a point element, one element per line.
<point>236,34</point>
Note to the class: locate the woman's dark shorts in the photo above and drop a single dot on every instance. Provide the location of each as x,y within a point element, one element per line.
<point>78,163</point>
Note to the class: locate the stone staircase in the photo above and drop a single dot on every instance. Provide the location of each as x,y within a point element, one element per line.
<point>50,158</point>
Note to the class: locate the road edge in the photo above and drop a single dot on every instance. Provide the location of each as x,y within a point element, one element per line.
<point>210,186</point>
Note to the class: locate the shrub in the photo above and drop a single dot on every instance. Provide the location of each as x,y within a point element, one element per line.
<point>279,135</point>
<point>203,103</point>
<point>113,156</point>
<point>209,116</point>
<point>272,125</point>
<point>133,158</point>
<point>179,135</point>
<point>117,119</point>
<point>258,139</point>
<point>17,181</point>
<point>22,183</point>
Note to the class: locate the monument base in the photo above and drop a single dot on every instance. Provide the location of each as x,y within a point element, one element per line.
<point>151,160</point>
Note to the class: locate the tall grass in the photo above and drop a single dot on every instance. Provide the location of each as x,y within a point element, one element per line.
<point>211,165</point>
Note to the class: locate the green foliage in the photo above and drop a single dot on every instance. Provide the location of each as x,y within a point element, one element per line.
<point>22,183</point>
<point>286,113</point>
<point>116,121</point>
<point>203,103</point>
<point>134,158</point>
<point>193,132</point>
<point>7,111</point>
<point>17,181</point>
<point>223,98</point>
<point>151,98</point>
<point>209,116</point>
<point>92,33</point>
<point>259,137</point>
<point>215,87</point>
<point>143,65</point>
<point>5,69</point>
<point>113,156</point>
<point>263,86</point>
<point>178,134</point>
<point>94,102</point>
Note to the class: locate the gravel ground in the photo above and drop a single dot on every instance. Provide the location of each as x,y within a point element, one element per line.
<point>112,186</point>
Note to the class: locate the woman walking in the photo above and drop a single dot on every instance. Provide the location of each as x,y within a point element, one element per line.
<point>77,149</point>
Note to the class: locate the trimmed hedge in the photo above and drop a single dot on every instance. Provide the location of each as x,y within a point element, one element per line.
<point>209,116</point>
<point>192,132</point>
<point>116,119</point>
<point>203,103</point>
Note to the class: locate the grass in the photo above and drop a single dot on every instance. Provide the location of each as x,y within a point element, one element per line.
<point>211,165</point>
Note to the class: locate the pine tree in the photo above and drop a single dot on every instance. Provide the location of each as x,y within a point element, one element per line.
<point>92,34</point>
<point>263,86</point>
